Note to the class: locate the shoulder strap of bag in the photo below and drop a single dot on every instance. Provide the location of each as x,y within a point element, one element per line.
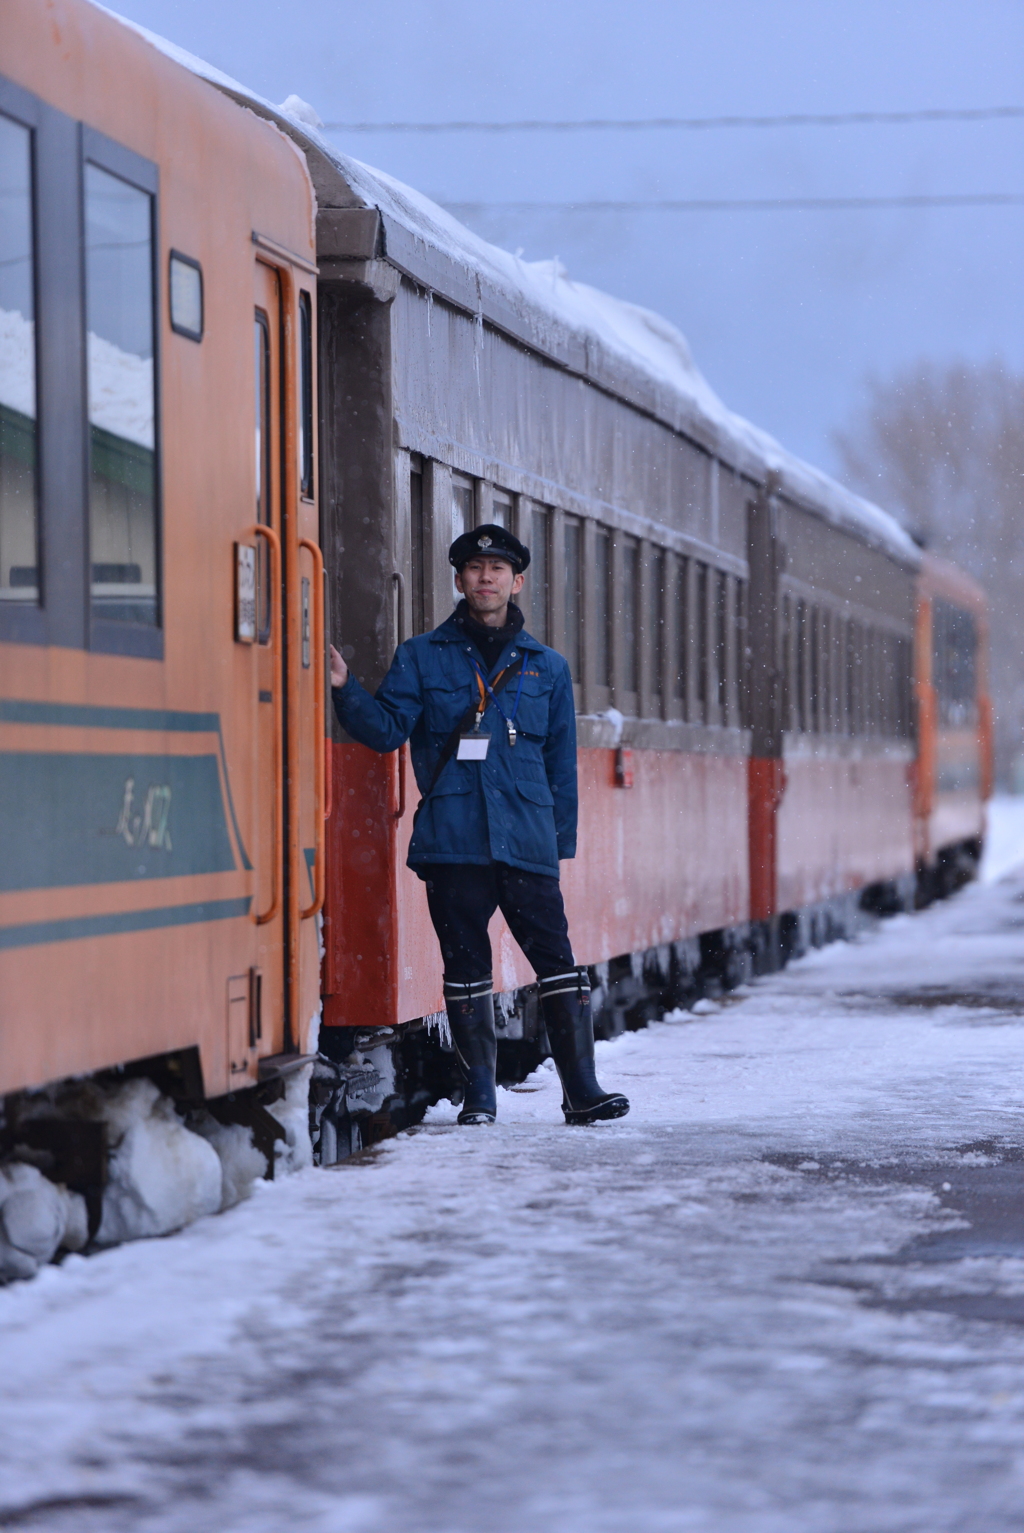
<point>451,745</point>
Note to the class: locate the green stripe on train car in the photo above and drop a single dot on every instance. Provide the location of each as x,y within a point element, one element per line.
<point>76,818</point>
<point>118,922</point>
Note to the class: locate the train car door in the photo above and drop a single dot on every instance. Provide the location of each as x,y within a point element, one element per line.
<point>269,679</point>
<point>289,671</point>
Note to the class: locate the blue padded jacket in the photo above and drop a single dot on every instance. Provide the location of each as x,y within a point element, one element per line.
<point>519,805</point>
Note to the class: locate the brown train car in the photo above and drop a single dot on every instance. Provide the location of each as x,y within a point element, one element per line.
<point>954,768</point>
<point>161,685</point>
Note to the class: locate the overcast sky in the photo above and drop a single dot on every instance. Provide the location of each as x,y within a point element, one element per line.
<point>787,312</point>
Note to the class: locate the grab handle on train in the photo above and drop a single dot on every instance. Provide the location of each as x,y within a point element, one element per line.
<point>274,544</point>
<point>400,811</point>
<point>319,728</point>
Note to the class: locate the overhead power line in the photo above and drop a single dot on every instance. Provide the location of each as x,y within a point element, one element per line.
<point>750,204</point>
<point>633,124</point>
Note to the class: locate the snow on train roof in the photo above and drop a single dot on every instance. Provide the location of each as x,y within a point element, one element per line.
<point>638,340</point>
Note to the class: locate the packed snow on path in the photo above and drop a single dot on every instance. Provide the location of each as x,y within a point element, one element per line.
<point>785,1295</point>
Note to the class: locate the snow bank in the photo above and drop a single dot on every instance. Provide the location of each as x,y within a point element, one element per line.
<point>37,1219</point>
<point>241,1163</point>
<point>161,1175</point>
<point>1004,839</point>
<point>292,1112</point>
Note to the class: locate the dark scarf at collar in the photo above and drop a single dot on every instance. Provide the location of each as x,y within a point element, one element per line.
<point>489,641</point>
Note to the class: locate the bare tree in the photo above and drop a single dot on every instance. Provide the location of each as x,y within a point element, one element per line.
<point>942,447</point>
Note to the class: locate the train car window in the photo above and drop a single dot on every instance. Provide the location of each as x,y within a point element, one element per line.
<point>574,598</point>
<point>682,629</point>
<point>801,666</point>
<point>743,656</point>
<point>121,377</point>
<point>659,577</point>
<point>702,657</point>
<point>306,395</point>
<point>501,511</point>
<point>906,664</point>
<point>419,542</point>
<point>722,645</point>
<point>814,671</point>
<point>462,513</point>
<point>789,707</point>
<point>462,506</point>
<point>537,575</point>
<point>264,477</point>
<point>954,663</point>
<point>602,641</point>
<point>19,500</point>
<point>630,593</point>
<point>839,673</point>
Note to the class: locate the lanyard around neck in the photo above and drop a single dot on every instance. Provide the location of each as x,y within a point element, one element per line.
<point>485,686</point>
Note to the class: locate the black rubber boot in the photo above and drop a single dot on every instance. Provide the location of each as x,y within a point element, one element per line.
<point>566,1002</point>
<point>471,1019</point>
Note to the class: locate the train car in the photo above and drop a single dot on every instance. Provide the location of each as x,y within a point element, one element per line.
<point>954,766</point>
<point>161,595</point>
<point>843,618</point>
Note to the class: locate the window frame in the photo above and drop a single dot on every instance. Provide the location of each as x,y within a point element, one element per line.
<point>307,404</point>
<point>573,645</point>
<point>539,591</point>
<point>630,598</point>
<point>105,635</point>
<point>27,622</point>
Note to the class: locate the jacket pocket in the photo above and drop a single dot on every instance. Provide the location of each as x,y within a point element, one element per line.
<point>536,792</point>
<point>534,705</point>
<point>444,706</point>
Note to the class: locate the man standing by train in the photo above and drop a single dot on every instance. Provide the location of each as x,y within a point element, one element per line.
<point>489,715</point>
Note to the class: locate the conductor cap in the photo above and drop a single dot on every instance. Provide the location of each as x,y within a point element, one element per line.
<point>492,542</point>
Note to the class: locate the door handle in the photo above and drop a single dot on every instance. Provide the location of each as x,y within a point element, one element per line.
<point>320,729</point>
<point>274,544</point>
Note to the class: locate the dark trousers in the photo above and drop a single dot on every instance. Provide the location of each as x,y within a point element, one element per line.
<point>464,896</point>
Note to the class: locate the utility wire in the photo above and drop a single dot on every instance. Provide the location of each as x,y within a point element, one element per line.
<point>633,124</point>
<point>750,204</point>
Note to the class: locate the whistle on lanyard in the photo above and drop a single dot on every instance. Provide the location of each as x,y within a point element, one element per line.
<point>474,744</point>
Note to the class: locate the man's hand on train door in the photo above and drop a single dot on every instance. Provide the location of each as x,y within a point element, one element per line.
<point>339,670</point>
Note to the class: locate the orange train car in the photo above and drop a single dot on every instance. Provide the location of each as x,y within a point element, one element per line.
<point>161,594</point>
<point>954,766</point>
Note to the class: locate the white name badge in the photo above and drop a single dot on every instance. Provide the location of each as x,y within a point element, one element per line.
<point>473,747</point>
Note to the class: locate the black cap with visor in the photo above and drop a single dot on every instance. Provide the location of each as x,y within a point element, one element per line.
<point>492,542</point>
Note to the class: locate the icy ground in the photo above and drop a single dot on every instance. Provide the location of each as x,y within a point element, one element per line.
<point>786,1295</point>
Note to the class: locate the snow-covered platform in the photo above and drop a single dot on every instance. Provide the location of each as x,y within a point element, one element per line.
<point>786,1295</point>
